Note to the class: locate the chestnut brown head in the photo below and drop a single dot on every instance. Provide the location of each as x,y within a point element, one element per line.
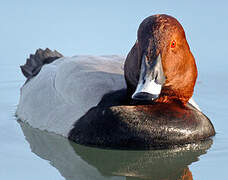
<point>160,66</point>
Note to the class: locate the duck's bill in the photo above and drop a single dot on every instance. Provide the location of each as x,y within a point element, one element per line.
<point>151,79</point>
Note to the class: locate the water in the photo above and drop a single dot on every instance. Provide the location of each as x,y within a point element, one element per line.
<point>109,28</point>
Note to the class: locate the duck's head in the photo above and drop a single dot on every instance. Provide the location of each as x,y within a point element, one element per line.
<point>160,67</point>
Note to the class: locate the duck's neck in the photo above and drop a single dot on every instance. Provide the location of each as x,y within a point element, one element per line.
<point>169,95</point>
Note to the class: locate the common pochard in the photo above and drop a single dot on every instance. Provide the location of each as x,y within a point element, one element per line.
<point>102,101</point>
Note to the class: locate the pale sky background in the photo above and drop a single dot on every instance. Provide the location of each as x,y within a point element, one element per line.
<point>105,27</point>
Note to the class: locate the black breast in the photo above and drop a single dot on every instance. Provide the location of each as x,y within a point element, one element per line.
<point>150,126</point>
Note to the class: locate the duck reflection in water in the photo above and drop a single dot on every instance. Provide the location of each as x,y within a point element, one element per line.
<point>79,162</point>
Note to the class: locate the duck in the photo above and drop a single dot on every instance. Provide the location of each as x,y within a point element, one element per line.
<point>141,101</point>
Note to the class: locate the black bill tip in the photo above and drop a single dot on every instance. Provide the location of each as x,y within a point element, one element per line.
<point>144,96</point>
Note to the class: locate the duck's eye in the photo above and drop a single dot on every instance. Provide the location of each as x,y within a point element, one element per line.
<point>173,44</point>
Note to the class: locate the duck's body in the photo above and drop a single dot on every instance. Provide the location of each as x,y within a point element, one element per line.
<point>66,89</point>
<point>81,97</point>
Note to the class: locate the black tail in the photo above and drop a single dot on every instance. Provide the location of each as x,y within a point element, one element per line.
<point>35,62</point>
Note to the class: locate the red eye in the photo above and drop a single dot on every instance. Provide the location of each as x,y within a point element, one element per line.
<point>173,44</point>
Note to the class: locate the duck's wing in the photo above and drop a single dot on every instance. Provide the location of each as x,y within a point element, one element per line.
<point>66,89</point>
